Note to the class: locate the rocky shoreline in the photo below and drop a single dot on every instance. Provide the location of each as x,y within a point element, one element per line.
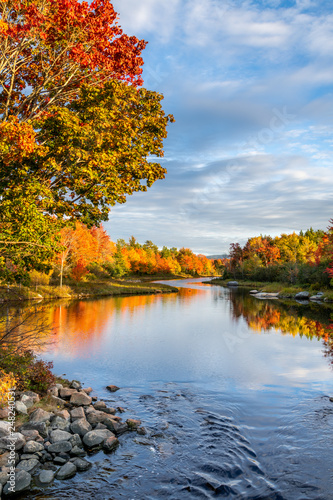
<point>53,444</point>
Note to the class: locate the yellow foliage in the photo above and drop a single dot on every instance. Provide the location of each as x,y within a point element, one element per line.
<point>7,382</point>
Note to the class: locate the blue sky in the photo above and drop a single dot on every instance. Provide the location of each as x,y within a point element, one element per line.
<point>250,86</point>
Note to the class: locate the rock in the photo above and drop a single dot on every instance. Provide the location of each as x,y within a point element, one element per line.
<point>80,426</point>
<point>95,417</point>
<point>232,283</point>
<point>30,394</point>
<point>66,471</point>
<point>4,413</point>
<point>31,435</point>
<point>331,399</point>
<point>109,411</point>
<point>96,437</point>
<point>302,295</point>
<point>115,426</point>
<point>94,398</point>
<point>28,456</point>
<point>133,424</point>
<point>59,386</point>
<point>41,427</point>
<point>4,429</point>
<point>21,408</point>
<point>88,390</point>
<point>29,401</point>
<point>81,464</point>
<point>4,457</point>
<point>120,409</point>
<point>46,476</point>
<point>100,426</point>
<point>63,414</point>
<point>22,482</point>
<point>80,399</point>
<point>59,461</point>
<point>60,447</point>
<point>28,465</point>
<point>77,413</point>
<point>59,435</point>
<point>58,401</point>
<point>254,291</point>
<point>33,447</point>
<point>77,452</point>
<point>112,388</point>
<point>66,393</point>
<point>100,405</point>
<point>40,415</point>
<point>16,438</point>
<point>75,384</point>
<point>4,476</point>
<point>53,391</point>
<point>59,423</point>
<point>142,431</point>
<point>316,298</point>
<point>110,443</point>
<point>76,440</point>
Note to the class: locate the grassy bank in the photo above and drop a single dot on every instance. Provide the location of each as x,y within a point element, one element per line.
<point>285,290</point>
<point>12,293</point>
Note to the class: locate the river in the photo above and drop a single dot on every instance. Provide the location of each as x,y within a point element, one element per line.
<point>233,391</point>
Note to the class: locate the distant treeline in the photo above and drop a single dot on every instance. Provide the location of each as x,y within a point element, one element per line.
<point>294,258</point>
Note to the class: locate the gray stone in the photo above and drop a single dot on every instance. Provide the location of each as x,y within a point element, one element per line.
<point>110,443</point>
<point>40,415</point>
<point>30,394</point>
<point>302,295</point>
<point>232,283</point>
<point>4,457</point>
<point>112,388</point>
<point>31,435</point>
<point>80,426</point>
<point>80,399</point>
<point>95,417</point>
<point>142,431</point>
<point>4,476</point>
<point>60,447</point>
<point>59,386</point>
<point>109,411</point>
<point>29,401</point>
<point>64,414</point>
<point>16,439</point>
<point>46,476</point>
<point>316,298</point>
<point>77,452</point>
<point>4,412</point>
<point>28,465</point>
<point>81,464</point>
<point>58,401</point>
<point>133,424</point>
<point>77,413</point>
<point>59,461</point>
<point>66,393</point>
<point>254,292</point>
<point>59,435</point>
<point>40,427</point>
<point>100,426</point>
<point>22,482</point>
<point>53,391</point>
<point>75,384</point>
<point>96,437</point>
<point>21,407</point>
<point>28,456</point>
<point>33,447</point>
<point>115,426</point>
<point>100,405</point>
<point>76,440</point>
<point>66,471</point>
<point>88,390</point>
<point>4,429</point>
<point>59,423</point>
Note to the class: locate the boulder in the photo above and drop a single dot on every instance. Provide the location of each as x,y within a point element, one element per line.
<point>66,393</point>
<point>109,411</point>
<point>232,283</point>
<point>77,413</point>
<point>66,471</point>
<point>88,390</point>
<point>100,405</point>
<point>115,426</point>
<point>30,394</point>
<point>59,461</point>
<point>4,476</point>
<point>28,465</point>
<point>4,412</point>
<point>22,482</point>
<point>81,464</point>
<point>29,401</point>
<point>58,401</point>
<point>96,437</point>
<point>30,435</point>
<point>32,447</point>
<point>16,438</point>
<point>95,417</point>
<point>53,391</point>
<point>110,443</point>
<point>112,388</point>
<point>254,292</point>
<point>302,295</point>
<point>133,424</point>
<point>77,452</point>
<point>59,435</point>
<point>60,447</point>
<point>80,426</point>
<point>80,399</point>
<point>40,415</point>
<point>21,407</point>
<point>4,429</point>
<point>63,414</point>
<point>75,384</point>
<point>59,423</point>
<point>76,440</point>
<point>100,426</point>
<point>46,476</point>
<point>41,427</point>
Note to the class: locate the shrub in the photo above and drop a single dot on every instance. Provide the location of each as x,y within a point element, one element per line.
<point>7,382</point>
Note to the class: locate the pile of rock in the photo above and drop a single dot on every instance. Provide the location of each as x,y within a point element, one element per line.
<point>52,445</point>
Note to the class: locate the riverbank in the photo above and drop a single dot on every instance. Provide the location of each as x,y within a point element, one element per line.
<point>50,438</point>
<point>280,290</point>
<point>12,293</point>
